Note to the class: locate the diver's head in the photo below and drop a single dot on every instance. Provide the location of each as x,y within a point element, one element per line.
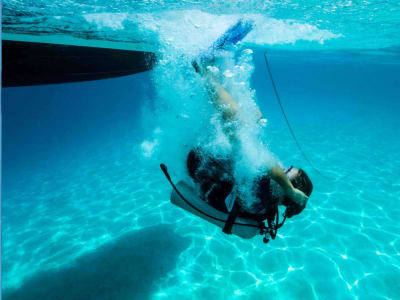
<point>301,181</point>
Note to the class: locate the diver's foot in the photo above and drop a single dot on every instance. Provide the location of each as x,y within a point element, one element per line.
<point>199,67</point>
<point>196,66</point>
<point>202,65</point>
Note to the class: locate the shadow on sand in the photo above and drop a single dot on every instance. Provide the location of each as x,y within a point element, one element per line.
<point>123,269</point>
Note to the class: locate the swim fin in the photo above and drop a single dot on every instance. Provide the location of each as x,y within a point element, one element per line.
<point>231,37</point>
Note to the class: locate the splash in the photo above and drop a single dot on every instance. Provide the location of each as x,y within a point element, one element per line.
<point>192,31</point>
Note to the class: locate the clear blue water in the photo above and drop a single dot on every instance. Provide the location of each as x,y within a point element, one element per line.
<point>85,208</point>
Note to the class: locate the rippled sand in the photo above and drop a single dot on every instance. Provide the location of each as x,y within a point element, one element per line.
<point>112,216</point>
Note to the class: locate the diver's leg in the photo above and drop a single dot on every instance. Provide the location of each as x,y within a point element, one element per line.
<point>223,101</point>
<point>220,97</point>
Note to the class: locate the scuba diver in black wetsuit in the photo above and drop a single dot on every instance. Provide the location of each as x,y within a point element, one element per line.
<point>290,187</point>
<point>225,203</point>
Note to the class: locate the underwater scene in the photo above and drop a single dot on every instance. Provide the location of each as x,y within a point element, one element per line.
<point>261,85</point>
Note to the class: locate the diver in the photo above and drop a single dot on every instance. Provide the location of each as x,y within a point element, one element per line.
<point>215,175</point>
<point>291,187</point>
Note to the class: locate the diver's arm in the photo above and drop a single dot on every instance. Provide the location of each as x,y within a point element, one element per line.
<point>276,173</point>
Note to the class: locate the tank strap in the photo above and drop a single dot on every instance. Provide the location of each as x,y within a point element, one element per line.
<point>231,219</point>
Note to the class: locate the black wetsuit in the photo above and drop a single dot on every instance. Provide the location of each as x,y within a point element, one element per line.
<point>216,182</point>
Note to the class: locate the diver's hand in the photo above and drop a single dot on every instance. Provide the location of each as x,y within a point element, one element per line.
<point>298,196</point>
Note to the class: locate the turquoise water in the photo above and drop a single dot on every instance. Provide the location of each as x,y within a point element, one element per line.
<point>85,208</point>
